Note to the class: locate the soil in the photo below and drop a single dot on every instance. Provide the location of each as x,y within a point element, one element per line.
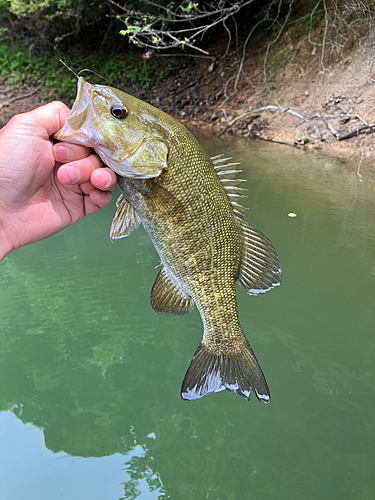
<point>201,94</point>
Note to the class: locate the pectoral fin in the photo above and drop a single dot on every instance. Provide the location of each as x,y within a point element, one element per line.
<point>125,221</point>
<point>260,268</point>
<point>164,203</point>
<point>168,298</point>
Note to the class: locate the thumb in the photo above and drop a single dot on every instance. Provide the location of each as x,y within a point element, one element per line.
<point>50,116</point>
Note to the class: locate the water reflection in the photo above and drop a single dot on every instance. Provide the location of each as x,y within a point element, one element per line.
<point>31,469</point>
<point>84,358</point>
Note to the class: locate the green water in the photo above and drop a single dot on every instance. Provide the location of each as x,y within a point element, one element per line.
<point>90,375</point>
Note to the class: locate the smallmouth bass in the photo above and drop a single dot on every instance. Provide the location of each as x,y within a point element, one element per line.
<point>188,204</point>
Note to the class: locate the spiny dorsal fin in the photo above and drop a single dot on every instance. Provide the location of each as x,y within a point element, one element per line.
<point>125,221</point>
<point>260,268</point>
<point>227,174</point>
<point>168,298</point>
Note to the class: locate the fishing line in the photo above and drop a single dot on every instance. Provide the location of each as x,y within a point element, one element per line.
<point>67,67</point>
<point>113,84</point>
<point>96,74</point>
<point>86,69</point>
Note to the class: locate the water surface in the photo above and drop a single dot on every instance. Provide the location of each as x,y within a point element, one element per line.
<point>89,400</point>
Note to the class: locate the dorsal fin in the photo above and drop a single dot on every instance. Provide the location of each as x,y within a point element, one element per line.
<point>168,298</point>
<point>260,268</point>
<point>125,220</point>
<point>227,173</point>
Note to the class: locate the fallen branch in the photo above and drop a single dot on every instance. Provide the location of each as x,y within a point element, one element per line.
<point>352,133</point>
<point>329,126</point>
<point>24,96</point>
<point>348,135</point>
<point>337,135</point>
<point>273,108</point>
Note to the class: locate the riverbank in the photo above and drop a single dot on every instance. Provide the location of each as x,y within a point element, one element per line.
<point>297,101</point>
<point>301,104</point>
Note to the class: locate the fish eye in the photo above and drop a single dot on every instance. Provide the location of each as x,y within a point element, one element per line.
<point>119,112</point>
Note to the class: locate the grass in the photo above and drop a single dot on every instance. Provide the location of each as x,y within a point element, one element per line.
<point>17,67</point>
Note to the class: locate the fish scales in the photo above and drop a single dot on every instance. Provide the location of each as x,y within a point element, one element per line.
<point>188,204</point>
<point>184,251</point>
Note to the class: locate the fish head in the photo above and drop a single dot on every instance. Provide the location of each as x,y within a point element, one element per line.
<point>121,129</point>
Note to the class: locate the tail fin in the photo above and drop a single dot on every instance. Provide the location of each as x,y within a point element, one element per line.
<point>237,372</point>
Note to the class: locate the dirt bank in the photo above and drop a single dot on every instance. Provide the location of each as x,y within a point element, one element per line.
<point>308,105</point>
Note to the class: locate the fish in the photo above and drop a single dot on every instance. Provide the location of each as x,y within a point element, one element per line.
<point>189,205</point>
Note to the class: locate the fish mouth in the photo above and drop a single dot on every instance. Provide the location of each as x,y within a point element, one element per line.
<point>78,127</point>
<point>73,130</point>
<point>125,158</point>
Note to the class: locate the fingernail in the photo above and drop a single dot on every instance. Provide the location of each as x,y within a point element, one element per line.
<point>62,153</point>
<point>72,173</point>
<point>107,178</point>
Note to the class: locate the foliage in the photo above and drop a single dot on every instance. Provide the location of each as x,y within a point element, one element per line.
<point>91,27</point>
<point>164,24</point>
<point>17,67</point>
<point>177,24</point>
<point>41,24</point>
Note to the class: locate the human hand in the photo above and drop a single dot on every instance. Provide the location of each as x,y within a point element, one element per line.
<point>45,187</point>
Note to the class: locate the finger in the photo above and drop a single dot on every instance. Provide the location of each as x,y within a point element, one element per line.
<point>86,187</point>
<point>78,172</point>
<point>97,200</point>
<point>65,152</point>
<point>104,179</point>
<point>100,198</point>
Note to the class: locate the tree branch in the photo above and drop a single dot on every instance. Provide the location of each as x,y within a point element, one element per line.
<point>273,108</point>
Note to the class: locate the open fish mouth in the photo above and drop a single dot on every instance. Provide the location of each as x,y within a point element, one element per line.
<point>81,125</point>
<point>127,152</point>
<point>73,129</point>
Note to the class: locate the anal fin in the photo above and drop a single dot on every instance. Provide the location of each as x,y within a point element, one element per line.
<point>260,269</point>
<point>125,220</point>
<point>168,298</point>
